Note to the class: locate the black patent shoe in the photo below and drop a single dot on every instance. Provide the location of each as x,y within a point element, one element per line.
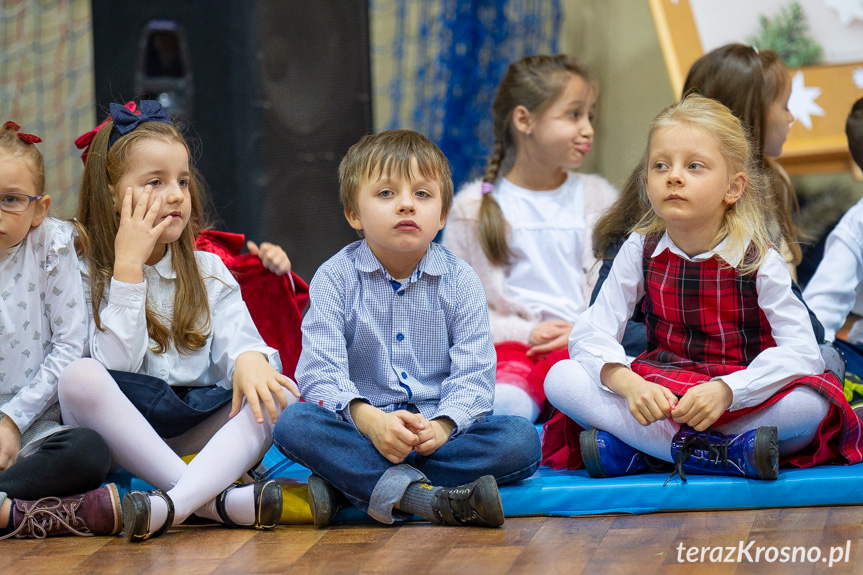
<point>268,505</point>
<point>136,515</point>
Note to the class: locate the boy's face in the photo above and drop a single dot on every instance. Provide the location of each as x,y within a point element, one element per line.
<point>16,177</point>
<point>399,218</point>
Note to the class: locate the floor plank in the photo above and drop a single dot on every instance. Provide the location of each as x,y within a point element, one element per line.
<point>642,544</point>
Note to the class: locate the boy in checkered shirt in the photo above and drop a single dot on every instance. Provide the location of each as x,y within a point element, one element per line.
<point>397,367</point>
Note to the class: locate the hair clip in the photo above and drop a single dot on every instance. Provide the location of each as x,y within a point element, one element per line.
<point>487,188</point>
<point>84,140</point>
<point>29,139</point>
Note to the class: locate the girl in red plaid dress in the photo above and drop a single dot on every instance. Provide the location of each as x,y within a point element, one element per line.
<point>732,379</point>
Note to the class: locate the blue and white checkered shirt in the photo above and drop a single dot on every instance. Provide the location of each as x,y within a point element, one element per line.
<point>426,343</point>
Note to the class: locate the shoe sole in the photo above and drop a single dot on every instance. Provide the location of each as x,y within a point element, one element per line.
<point>590,454</point>
<point>487,488</point>
<point>320,501</point>
<point>767,452</point>
<point>117,507</point>
<point>136,524</point>
<point>269,505</point>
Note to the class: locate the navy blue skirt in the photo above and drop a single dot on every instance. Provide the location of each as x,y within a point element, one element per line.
<point>171,411</point>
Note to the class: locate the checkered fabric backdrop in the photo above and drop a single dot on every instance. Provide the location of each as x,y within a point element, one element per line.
<point>46,84</point>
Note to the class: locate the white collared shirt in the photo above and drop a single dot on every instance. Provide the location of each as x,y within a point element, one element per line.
<point>43,321</point>
<point>836,284</point>
<point>596,335</point>
<point>125,346</point>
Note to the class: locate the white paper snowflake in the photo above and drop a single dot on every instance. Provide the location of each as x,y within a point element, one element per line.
<point>857,76</point>
<point>847,10</point>
<point>802,104</point>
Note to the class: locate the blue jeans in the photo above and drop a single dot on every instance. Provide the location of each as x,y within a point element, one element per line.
<point>506,447</point>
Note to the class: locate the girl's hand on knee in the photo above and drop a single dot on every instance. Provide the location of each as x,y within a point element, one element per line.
<point>548,336</point>
<point>10,442</point>
<point>702,405</point>
<point>137,235</point>
<point>273,257</point>
<point>257,381</point>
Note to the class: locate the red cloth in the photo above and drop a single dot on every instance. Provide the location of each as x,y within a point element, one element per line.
<point>689,308</point>
<point>517,368</point>
<point>275,307</point>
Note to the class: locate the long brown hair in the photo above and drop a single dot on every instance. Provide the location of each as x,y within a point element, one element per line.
<point>188,329</point>
<point>747,82</point>
<point>534,82</point>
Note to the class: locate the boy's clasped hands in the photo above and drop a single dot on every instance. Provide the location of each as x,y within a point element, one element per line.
<point>395,435</point>
<point>648,402</point>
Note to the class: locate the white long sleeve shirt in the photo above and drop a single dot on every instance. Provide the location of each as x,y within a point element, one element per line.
<point>43,319</point>
<point>596,335</point>
<point>124,345</point>
<point>834,288</point>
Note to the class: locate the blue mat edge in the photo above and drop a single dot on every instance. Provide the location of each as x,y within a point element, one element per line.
<point>571,493</point>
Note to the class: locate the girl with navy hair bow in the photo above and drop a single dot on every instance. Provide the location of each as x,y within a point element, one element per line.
<point>187,371</point>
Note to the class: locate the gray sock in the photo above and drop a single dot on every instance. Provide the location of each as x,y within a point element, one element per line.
<point>418,498</point>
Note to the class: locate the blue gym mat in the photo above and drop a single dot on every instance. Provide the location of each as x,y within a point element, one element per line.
<point>573,493</point>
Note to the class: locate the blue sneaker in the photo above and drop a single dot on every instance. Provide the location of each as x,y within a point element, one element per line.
<point>754,454</point>
<point>605,455</point>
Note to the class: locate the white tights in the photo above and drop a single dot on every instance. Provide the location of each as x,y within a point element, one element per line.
<point>226,448</point>
<point>570,389</point>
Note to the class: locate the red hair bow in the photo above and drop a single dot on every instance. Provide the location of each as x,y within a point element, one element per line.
<point>84,140</point>
<point>26,138</point>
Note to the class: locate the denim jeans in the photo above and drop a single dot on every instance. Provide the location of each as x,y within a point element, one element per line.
<point>506,447</point>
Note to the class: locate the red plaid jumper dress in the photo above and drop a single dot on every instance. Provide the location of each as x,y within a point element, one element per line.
<point>703,321</point>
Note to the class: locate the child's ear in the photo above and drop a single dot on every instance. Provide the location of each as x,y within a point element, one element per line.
<point>353,219</point>
<point>735,188</point>
<point>443,218</point>
<point>118,202</point>
<point>522,120</point>
<point>42,207</point>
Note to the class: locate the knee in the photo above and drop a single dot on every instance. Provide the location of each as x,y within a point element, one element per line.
<point>524,449</point>
<point>81,380</point>
<point>297,423</point>
<point>87,452</point>
<point>562,381</point>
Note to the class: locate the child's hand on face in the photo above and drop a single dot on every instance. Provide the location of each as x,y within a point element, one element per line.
<point>273,257</point>
<point>548,336</point>
<point>434,435</point>
<point>702,405</point>
<point>137,236</point>
<point>392,434</point>
<point>648,402</point>
<point>257,381</point>
<point>10,442</point>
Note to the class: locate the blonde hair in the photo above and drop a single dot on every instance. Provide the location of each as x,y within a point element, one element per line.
<point>391,153</point>
<point>188,329</point>
<point>744,221</point>
<point>14,147</point>
<point>534,82</point>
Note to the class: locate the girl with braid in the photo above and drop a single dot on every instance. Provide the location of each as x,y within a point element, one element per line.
<point>526,227</point>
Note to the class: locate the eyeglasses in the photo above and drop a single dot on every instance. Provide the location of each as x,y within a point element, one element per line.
<point>15,203</point>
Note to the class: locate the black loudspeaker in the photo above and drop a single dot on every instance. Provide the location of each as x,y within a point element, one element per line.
<point>274,91</point>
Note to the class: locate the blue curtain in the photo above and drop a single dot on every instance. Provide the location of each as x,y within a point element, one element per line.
<point>459,51</point>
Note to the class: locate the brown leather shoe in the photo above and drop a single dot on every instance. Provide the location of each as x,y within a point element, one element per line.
<point>96,512</point>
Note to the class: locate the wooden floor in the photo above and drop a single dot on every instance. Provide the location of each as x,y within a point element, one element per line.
<point>609,544</point>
